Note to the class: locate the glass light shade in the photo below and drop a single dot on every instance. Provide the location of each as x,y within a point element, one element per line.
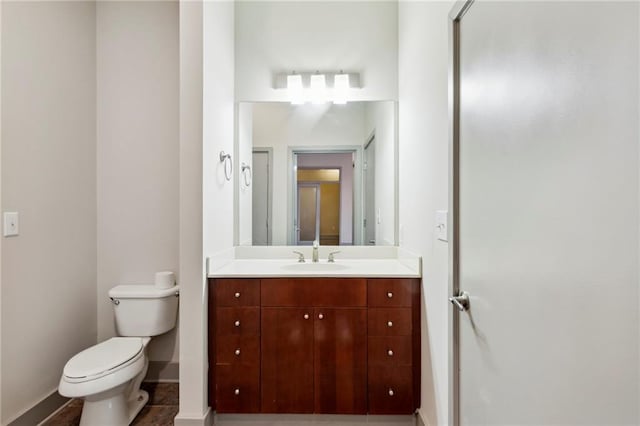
<point>318,89</point>
<point>294,89</point>
<point>340,88</point>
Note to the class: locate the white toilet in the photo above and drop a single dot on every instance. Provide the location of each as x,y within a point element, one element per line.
<point>108,375</point>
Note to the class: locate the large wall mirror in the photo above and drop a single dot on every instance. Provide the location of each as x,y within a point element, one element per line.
<point>316,172</point>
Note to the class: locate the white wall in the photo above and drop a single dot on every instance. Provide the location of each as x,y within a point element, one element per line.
<point>275,37</point>
<point>206,198</point>
<point>48,176</point>
<point>380,117</point>
<point>244,154</point>
<point>423,152</point>
<point>137,152</point>
<point>282,125</point>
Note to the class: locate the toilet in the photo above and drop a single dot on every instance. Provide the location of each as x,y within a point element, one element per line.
<point>107,376</point>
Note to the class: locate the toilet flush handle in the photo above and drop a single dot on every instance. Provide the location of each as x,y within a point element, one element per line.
<point>115,301</point>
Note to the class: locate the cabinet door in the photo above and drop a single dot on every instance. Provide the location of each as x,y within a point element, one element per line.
<point>340,355</point>
<point>287,360</point>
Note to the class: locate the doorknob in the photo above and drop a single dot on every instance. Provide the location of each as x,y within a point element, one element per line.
<point>461,301</point>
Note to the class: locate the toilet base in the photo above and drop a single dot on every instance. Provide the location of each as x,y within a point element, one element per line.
<point>136,402</point>
<point>114,409</point>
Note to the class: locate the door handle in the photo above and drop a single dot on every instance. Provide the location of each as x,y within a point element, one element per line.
<point>461,301</point>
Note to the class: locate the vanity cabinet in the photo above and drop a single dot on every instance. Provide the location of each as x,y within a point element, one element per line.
<point>314,345</point>
<point>393,345</point>
<point>234,345</point>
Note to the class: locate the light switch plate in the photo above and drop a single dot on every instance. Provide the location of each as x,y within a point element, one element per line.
<point>442,227</point>
<point>10,228</point>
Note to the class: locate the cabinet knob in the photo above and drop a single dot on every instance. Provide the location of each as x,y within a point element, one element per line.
<point>237,352</point>
<point>237,391</point>
<point>390,392</point>
<point>237,323</point>
<point>390,324</point>
<point>390,352</point>
<point>237,295</point>
<point>389,295</point>
<point>320,316</point>
<point>306,316</point>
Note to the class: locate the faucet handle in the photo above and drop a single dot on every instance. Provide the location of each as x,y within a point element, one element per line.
<point>331,258</point>
<point>300,256</point>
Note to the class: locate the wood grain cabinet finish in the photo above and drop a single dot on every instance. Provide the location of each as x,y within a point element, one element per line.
<point>314,345</point>
<point>234,345</point>
<point>393,345</point>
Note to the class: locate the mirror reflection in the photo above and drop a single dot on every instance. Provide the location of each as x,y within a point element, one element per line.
<point>323,173</point>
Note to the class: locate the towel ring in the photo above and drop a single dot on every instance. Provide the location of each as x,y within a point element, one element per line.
<point>246,173</point>
<point>223,159</point>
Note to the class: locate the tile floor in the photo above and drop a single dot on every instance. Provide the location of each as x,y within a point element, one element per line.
<point>159,411</point>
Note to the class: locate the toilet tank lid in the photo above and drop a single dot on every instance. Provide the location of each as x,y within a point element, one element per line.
<point>142,291</point>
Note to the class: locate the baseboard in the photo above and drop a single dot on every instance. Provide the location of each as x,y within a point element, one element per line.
<point>163,371</point>
<point>420,421</point>
<point>41,410</point>
<point>205,420</point>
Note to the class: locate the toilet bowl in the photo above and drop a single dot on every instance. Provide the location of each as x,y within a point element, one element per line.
<point>107,376</point>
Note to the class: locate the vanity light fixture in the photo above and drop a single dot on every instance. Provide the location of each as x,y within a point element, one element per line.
<point>295,89</point>
<point>317,87</point>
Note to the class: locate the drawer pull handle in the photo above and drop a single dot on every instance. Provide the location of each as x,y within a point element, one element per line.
<point>237,352</point>
<point>390,324</point>
<point>390,352</point>
<point>237,323</point>
<point>306,316</point>
<point>320,316</point>
<point>237,391</point>
<point>237,295</point>
<point>389,295</point>
<point>390,392</point>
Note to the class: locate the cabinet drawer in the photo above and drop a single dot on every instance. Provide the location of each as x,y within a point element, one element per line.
<point>390,350</point>
<point>237,321</point>
<point>238,349</point>
<point>390,293</point>
<point>240,292</point>
<point>390,390</point>
<point>389,322</point>
<point>237,389</point>
<point>320,292</point>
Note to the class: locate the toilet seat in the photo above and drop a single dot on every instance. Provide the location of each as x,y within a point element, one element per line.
<point>103,359</point>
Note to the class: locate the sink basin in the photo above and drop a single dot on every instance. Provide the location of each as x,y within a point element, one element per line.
<point>315,267</point>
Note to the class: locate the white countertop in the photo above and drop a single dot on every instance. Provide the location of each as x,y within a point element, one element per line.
<point>370,262</point>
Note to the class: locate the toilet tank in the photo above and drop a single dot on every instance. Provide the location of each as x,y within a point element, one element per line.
<point>144,310</point>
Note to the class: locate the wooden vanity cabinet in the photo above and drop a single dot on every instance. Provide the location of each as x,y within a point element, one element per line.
<point>314,345</point>
<point>234,345</point>
<point>393,345</point>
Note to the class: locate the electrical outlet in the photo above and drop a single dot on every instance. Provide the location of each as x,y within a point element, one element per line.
<point>10,224</point>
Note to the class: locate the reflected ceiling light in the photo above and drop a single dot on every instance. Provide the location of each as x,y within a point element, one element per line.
<point>318,89</point>
<point>295,89</point>
<point>340,88</point>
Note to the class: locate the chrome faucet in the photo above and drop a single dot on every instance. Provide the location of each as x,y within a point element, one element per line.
<point>316,244</point>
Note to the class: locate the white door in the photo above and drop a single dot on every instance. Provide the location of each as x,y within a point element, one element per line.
<point>547,206</point>
<point>261,196</point>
